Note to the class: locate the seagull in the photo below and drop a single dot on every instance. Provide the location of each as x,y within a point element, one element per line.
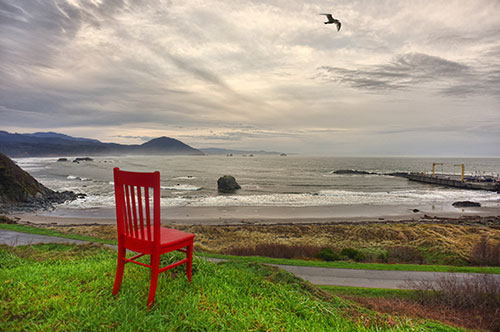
<point>332,20</point>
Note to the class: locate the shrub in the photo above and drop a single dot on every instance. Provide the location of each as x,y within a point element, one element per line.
<point>276,250</point>
<point>349,252</point>
<point>7,220</point>
<point>359,257</point>
<point>327,254</point>
<point>486,253</point>
<point>480,293</point>
<point>382,257</point>
<point>404,254</point>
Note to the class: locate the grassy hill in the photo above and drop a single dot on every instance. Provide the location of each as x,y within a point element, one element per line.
<point>68,288</point>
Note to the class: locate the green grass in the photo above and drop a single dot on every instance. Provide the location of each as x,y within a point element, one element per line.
<point>295,262</point>
<point>68,288</point>
<point>49,232</point>
<point>354,265</point>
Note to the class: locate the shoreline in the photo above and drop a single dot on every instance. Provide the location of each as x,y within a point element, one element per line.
<point>220,216</point>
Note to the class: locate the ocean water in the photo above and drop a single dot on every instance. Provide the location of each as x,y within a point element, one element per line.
<point>267,181</point>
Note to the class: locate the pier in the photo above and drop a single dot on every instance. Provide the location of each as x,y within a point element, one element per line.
<point>490,183</point>
<point>452,180</point>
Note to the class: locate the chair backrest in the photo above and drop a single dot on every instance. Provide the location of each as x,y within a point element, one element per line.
<point>133,204</point>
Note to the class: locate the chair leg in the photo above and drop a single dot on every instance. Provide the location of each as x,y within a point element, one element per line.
<point>120,266</point>
<point>189,265</point>
<point>155,267</point>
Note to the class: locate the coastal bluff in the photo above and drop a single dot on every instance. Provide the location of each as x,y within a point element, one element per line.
<point>19,190</point>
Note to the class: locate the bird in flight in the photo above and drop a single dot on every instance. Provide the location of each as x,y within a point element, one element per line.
<point>332,20</point>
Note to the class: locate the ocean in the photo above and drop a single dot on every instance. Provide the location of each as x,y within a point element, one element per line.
<point>267,181</point>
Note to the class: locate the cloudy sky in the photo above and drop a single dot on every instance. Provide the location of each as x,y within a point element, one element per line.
<point>399,78</point>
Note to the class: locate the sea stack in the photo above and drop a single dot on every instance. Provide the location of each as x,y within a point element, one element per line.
<point>227,184</point>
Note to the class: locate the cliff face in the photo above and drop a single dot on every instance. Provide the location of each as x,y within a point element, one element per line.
<point>17,185</point>
<point>19,191</point>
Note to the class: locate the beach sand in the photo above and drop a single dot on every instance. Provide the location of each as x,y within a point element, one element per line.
<point>262,215</point>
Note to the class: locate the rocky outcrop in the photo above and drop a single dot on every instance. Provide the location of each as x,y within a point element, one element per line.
<point>398,174</point>
<point>76,160</point>
<point>466,204</point>
<point>352,171</point>
<point>19,190</point>
<point>227,184</point>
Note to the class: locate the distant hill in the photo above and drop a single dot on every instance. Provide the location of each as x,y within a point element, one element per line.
<point>230,151</point>
<point>51,134</point>
<point>55,144</point>
<point>168,145</point>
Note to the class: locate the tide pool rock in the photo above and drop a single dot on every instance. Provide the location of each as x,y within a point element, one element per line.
<point>466,204</point>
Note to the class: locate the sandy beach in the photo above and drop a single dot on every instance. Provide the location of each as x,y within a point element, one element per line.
<point>261,215</point>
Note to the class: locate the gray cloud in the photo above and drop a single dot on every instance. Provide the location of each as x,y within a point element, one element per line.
<point>141,138</point>
<point>403,72</point>
<point>239,135</point>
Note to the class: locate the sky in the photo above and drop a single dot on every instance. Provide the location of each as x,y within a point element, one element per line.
<point>399,78</point>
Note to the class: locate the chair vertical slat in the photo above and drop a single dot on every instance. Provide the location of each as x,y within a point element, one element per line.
<point>148,213</point>
<point>156,207</point>
<point>141,213</point>
<point>125,220</point>
<point>134,211</point>
<point>129,212</point>
<point>124,210</point>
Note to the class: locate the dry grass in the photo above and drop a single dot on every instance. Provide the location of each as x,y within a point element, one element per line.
<point>455,241</point>
<point>404,254</point>
<point>441,243</point>
<point>276,250</point>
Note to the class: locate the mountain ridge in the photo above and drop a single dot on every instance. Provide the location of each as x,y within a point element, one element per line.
<point>54,144</point>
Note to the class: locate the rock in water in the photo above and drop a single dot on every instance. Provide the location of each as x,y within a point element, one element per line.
<point>466,204</point>
<point>227,184</point>
<point>19,187</point>
<point>351,171</point>
<point>82,159</point>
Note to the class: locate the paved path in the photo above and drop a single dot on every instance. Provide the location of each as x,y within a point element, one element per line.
<point>12,238</point>
<point>368,278</point>
<point>316,275</point>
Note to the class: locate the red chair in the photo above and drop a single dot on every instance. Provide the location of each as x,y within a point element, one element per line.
<point>138,233</point>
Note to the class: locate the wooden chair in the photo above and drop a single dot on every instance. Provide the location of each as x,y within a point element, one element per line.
<point>138,232</point>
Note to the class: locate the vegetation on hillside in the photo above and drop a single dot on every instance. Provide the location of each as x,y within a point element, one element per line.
<point>415,243</point>
<point>473,303</point>
<point>68,288</point>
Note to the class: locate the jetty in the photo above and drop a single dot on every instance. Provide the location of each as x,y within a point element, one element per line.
<point>462,181</point>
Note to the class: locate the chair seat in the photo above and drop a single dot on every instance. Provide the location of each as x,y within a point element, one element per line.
<point>169,236</point>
